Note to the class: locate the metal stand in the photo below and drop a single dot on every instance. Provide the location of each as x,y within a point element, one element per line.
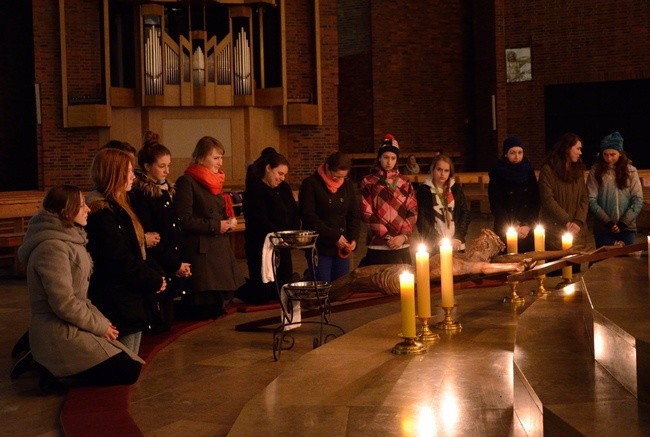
<point>309,293</point>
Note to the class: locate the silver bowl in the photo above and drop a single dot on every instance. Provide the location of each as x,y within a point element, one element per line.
<point>292,238</point>
<point>306,289</point>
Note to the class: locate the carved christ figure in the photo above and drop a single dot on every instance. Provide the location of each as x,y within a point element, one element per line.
<point>476,260</point>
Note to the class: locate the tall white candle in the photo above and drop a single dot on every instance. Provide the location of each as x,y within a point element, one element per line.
<point>511,237</point>
<point>407,298</point>
<point>423,281</point>
<point>567,242</point>
<point>446,273</point>
<point>540,240</point>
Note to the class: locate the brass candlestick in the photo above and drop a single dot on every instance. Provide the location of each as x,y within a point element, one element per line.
<point>409,347</point>
<point>426,335</point>
<point>448,324</point>
<point>540,291</point>
<point>514,297</point>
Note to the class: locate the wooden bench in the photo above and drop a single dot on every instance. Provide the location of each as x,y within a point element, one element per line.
<point>16,208</point>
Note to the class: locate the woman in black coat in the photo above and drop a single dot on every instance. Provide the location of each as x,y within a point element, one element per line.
<point>514,195</point>
<point>329,205</point>
<point>121,281</point>
<point>152,196</point>
<point>442,208</point>
<point>269,206</point>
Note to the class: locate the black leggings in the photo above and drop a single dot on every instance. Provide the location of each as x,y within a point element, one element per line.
<point>119,369</point>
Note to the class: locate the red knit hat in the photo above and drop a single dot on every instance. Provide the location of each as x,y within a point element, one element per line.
<point>389,144</point>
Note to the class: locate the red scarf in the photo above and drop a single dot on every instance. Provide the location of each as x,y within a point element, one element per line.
<point>332,185</point>
<point>213,182</point>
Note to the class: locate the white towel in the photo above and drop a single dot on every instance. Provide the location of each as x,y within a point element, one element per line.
<point>267,259</point>
<point>295,317</point>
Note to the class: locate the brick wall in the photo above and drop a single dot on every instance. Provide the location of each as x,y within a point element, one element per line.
<point>308,146</point>
<point>571,42</point>
<point>65,155</point>
<point>422,82</point>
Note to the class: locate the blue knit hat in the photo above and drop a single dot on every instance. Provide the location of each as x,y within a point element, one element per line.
<point>612,141</point>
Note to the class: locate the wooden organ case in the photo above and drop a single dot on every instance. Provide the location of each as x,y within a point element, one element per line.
<point>193,53</point>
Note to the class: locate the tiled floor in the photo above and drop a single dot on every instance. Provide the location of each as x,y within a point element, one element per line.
<point>196,386</point>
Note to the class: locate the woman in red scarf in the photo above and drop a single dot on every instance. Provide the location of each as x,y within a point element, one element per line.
<point>330,206</point>
<point>206,216</point>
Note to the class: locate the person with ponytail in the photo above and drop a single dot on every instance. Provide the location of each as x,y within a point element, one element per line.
<point>206,215</point>
<point>388,209</point>
<point>615,194</point>
<point>329,205</point>
<point>152,198</point>
<point>121,281</point>
<point>269,206</point>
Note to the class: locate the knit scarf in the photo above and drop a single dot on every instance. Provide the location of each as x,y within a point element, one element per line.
<point>332,185</point>
<point>213,182</point>
<point>387,175</point>
<point>513,173</point>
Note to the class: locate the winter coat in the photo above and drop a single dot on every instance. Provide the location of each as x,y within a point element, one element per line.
<point>153,206</point>
<point>385,211</point>
<point>513,202</point>
<point>66,331</point>
<point>426,220</point>
<point>267,210</point>
<point>329,214</point>
<point>561,202</point>
<point>122,282</point>
<point>608,203</point>
<point>214,267</point>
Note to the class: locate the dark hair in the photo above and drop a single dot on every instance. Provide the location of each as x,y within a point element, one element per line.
<point>151,150</point>
<point>559,162</point>
<point>338,161</point>
<point>120,145</point>
<point>621,170</point>
<point>268,151</point>
<point>204,146</point>
<point>64,201</point>
<point>258,168</point>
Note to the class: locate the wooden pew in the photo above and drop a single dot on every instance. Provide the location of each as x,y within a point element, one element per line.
<point>16,208</point>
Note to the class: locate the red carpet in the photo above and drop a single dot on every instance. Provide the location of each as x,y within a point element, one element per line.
<point>104,411</point>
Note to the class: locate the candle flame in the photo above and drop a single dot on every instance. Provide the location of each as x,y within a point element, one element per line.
<point>539,228</point>
<point>445,242</point>
<point>422,248</point>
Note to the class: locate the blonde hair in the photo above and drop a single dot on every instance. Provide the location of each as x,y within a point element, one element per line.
<point>110,173</point>
<point>449,161</point>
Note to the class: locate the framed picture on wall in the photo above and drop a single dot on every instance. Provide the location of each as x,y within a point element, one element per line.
<point>518,65</point>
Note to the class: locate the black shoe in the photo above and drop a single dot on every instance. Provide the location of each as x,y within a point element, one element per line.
<point>48,383</point>
<point>24,364</point>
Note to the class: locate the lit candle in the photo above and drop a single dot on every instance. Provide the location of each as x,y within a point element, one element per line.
<point>511,237</point>
<point>649,255</point>
<point>540,236</point>
<point>407,296</point>
<point>423,278</point>
<point>567,242</point>
<point>540,240</point>
<point>446,273</point>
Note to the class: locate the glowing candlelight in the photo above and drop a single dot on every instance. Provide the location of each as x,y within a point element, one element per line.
<point>423,281</point>
<point>407,296</point>
<point>446,273</point>
<point>540,239</point>
<point>567,242</point>
<point>511,237</point>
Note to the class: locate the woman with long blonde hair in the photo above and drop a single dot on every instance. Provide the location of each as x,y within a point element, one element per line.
<point>122,280</point>
<point>442,208</point>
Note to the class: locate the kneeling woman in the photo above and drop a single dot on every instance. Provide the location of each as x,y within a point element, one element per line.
<point>68,335</point>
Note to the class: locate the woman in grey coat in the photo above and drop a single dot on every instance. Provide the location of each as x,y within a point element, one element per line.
<point>206,215</point>
<point>68,335</point>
